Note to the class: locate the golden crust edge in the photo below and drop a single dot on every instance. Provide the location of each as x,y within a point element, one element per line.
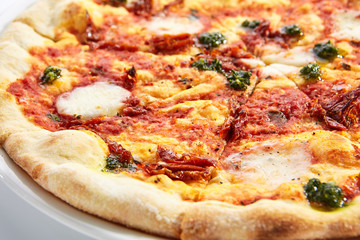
<point>15,43</point>
<point>11,118</point>
<point>269,219</point>
<point>142,206</point>
<point>46,17</point>
<point>117,198</point>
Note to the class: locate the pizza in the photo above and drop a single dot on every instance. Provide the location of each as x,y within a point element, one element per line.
<point>234,119</point>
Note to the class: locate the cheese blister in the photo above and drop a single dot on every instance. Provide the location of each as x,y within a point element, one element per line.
<point>272,163</point>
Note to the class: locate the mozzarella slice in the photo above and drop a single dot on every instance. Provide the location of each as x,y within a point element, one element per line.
<point>98,99</point>
<point>268,71</point>
<point>272,163</point>
<point>252,62</point>
<point>298,56</point>
<point>174,25</point>
<point>285,69</point>
<point>347,25</point>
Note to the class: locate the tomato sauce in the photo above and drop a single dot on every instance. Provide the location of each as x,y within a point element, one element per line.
<point>269,112</point>
<point>351,188</point>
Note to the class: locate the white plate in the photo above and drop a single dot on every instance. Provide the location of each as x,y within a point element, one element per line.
<point>18,181</point>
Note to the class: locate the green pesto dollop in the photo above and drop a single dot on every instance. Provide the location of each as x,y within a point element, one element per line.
<point>325,194</point>
<point>293,30</point>
<point>250,24</point>
<point>239,80</point>
<point>205,65</point>
<point>50,74</point>
<point>311,72</point>
<point>212,40</point>
<point>326,50</point>
<point>114,164</point>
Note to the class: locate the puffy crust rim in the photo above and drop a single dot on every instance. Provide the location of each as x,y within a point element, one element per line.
<point>141,205</point>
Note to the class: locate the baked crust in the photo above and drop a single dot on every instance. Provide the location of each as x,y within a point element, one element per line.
<point>268,219</point>
<point>11,117</point>
<point>66,163</point>
<point>48,18</point>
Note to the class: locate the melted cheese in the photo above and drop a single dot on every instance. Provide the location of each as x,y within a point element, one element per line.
<point>64,83</point>
<point>312,25</point>
<point>298,56</point>
<point>279,82</point>
<point>347,25</point>
<point>266,72</point>
<point>174,25</point>
<point>285,69</point>
<point>143,147</point>
<point>201,111</point>
<point>252,62</point>
<point>98,99</point>
<point>272,163</point>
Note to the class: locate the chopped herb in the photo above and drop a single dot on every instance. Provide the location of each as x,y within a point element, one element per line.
<point>113,163</point>
<point>216,65</point>
<point>250,24</point>
<point>293,30</point>
<point>326,50</point>
<point>53,117</point>
<point>185,80</point>
<point>50,75</point>
<point>346,66</point>
<point>212,40</point>
<point>205,65</point>
<point>311,71</point>
<point>239,80</point>
<point>324,194</point>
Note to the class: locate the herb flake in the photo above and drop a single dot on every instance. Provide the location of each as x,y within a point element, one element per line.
<point>250,24</point>
<point>50,74</point>
<point>53,117</point>
<point>212,40</point>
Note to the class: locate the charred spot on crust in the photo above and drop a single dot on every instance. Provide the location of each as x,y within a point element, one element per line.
<point>36,171</point>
